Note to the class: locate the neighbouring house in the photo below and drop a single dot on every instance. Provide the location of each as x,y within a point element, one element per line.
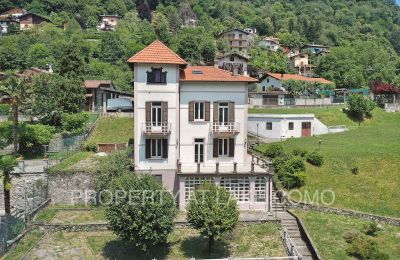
<point>238,40</point>
<point>234,62</point>
<point>315,49</point>
<point>191,126</point>
<point>28,20</point>
<point>283,126</point>
<point>98,92</point>
<point>250,30</point>
<point>301,64</point>
<point>270,81</point>
<point>270,43</point>
<point>10,17</point>
<point>270,98</point>
<point>108,22</point>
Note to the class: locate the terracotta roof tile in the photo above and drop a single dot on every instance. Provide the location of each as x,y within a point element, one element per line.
<point>157,53</point>
<point>210,73</point>
<point>284,77</point>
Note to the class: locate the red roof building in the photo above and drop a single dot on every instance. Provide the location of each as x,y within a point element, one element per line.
<point>209,73</point>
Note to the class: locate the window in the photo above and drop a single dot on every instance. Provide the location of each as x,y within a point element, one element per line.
<point>199,111</point>
<point>199,150</point>
<point>291,125</point>
<point>156,113</point>
<point>240,36</point>
<point>191,183</point>
<point>263,88</point>
<point>156,75</point>
<point>156,148</point>
<point>232,58</point>
<point>269,125</point>
<point>223,147</point>
<point>240,49</point>
<point>260,189</point>
<point>267,80</point>
<point>223,110</point>
<point>239,187</point>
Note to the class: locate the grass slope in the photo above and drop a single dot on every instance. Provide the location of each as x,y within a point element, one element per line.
<point>327,232</point>
<point>374,148</point>
<point>112,130</point>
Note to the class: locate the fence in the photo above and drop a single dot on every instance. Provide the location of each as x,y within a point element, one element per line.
<point>290,246</point>
<point>11,226</point>
<point>254,258</point>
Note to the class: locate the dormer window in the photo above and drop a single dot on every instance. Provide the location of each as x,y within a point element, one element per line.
<point>156,75</point>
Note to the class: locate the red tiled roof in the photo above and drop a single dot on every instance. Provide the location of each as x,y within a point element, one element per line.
<point>14,11</point>
<point>284,77</point>
<point>96,83</point>
<point>157,53</point>
<point>210,73</point>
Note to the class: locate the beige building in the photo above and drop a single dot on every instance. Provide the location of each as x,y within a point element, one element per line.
<point>239,40</point>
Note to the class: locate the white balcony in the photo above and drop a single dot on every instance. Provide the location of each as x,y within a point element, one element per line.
<point>161,129</point>
<point>225,128</point>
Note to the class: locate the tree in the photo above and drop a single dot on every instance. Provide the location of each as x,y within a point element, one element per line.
<point>212,211</point>
<point>18,88</point>
<point>7,163</point>
<point>195,45</point>
<point>39,55</point>
<point>140,210</point>
<point>359,106</point>
<point>161,27</point>
<point>71,63</point>
<point>268,60</point>
<point>54,95</point>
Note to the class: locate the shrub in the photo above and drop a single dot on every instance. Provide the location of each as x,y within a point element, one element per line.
<point>5,109</point>
<point>74,122</point>
<point>363,247</point>
<point>292,181</point>
<point>300,152</point>
<point>351,235</point>
<point>145,220</point>
<point>33,137</point>
<point>89,147</point>
<point>315,158</point>
<point>371,229</point>
<point>297,163</point>
<point>355,170</point>
<point>274,150</point>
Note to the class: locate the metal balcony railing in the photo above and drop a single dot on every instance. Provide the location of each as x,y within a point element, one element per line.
<point>156,129</point>
<point>225,127</point>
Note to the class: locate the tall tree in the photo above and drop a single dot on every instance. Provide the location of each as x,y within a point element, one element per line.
<point>18,88</point>
<point>161,27</point>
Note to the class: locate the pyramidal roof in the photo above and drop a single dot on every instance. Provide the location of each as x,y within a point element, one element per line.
<point>158,53</point>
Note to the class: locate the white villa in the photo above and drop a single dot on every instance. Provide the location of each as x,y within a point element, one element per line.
<point>191,126</point>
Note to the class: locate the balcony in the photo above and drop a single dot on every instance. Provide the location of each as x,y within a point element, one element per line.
<point>223,129</point>
<point>151,129</point>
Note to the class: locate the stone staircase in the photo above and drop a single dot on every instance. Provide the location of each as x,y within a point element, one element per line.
<point>289,223</point>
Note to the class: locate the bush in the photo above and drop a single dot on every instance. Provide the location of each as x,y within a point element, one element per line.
<point>74,122</point>
<point>363,247</point>
<point>89,147</point>
<point>274,150</point>
<point>355,170</point>
<point>5,109</point>
<point>315,158</point>
<point>293,181</point>
<point>290,170</point>
<point>33,137</point>
<point>300,152</point>
<point>371,229</point>
<point>145,215</point>
<point>297,163</point>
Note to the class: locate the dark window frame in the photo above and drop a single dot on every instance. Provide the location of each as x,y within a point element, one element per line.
<point>268,126</point>
<point>291,126</point>
<point>154,78</point>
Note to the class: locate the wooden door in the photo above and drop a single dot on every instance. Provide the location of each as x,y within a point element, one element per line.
<point>306,129</point>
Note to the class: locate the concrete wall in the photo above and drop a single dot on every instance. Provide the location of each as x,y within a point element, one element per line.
<point>236,92</point>
<point>313,101</point>
<point>256,99</point>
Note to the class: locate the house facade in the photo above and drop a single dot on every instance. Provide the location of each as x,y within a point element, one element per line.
<point>315,48</point>
<point>270,43</point>
<point>108,22</point>
<point>235,63</point>
<point>239,40</point>
<point>28,20</point>
<point>10,17</point>
<point>191,126</point>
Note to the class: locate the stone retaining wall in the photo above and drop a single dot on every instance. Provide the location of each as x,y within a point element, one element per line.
<point>346,212</point>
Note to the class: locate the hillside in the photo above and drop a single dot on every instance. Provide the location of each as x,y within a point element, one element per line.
<point>364,36</point>
<point>371,148</point>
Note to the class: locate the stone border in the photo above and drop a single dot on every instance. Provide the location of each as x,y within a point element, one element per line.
<point>314,251</point>
<point>346,212</point>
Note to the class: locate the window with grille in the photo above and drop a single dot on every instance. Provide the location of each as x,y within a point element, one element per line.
<point>260,194</point>
<point>239,187</point>
<point>191,184</point>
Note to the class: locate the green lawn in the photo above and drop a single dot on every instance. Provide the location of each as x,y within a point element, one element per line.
<point>69,161</point>
<point>112,130</point>
<point>327,232</point>
<point>374,148</point>
<point>183,243</point>
<point>30,240</point>
<point>330,116</point>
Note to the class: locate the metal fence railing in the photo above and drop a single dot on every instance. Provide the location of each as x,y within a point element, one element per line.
<point>23,211</point>
<point>290,245</point>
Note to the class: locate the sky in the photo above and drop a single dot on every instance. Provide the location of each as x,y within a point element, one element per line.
<point>398,2</point>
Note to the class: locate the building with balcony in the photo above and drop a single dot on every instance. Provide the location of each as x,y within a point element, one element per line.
<point>270,43</point>
<point>239,40</point>
<point>235,63</point>
<point>191,126</point>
